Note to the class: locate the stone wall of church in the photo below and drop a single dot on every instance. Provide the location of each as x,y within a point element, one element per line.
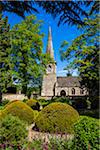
<point>68,91</point>
<point>12,97</point>
<point>48,85</point>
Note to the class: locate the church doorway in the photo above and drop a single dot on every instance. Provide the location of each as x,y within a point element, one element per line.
<point>63,93</point>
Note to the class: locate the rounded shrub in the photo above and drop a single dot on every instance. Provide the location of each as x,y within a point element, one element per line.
<point>12,131</point>
<point>22,110</point>
<point>57,117</point>
<point>33,104</point>
<point>2,114</point>
<point>86,134</point>
<point>10,102</point>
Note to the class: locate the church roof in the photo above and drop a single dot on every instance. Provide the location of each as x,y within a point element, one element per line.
<point>68,81</point>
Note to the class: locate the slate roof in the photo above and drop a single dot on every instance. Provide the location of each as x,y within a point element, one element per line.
<point>68,81</point>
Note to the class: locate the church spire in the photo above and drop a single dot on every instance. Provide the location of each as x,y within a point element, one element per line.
<point>49,49</point>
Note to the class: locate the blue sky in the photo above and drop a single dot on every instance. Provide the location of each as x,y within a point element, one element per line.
<point>59,34</point>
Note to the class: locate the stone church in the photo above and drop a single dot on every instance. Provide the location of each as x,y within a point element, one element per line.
<point>53,86</point>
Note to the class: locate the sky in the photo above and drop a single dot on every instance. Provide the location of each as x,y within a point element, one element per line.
<point>59,34</point>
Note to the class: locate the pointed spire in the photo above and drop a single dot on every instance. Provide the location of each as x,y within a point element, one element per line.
<point>49,49</point>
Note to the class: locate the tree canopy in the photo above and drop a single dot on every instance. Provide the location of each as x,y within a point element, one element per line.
<point>29,60</point>
<point>17,7</point>
<point>22,62</point>
<point>83,53</point>
<point>5,51</point>
<point>71,12</point>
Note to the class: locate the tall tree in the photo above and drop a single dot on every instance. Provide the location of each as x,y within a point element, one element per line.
<point>5,57</point>
<point>30,62</point>
<point>17,7</point>
<point>71,12</point>
<point>83,54</point>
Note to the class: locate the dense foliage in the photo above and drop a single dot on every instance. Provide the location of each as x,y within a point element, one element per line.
<point>33,104</point>
<point>12,131</point>
<point>83,54</point>
<point>29,61</point>
<point>20,109</point>
<point>5,59</point>
<point>4,102</point>
<point>57,117</point>
<point>86,134</point>
<point>62,100</point>
<point>71,12</point>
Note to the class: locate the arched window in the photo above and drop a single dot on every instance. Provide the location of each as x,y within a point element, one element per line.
<point>49,68</point>
<point>62,93</point>
<point>81,91</point>
<point>73,91</point>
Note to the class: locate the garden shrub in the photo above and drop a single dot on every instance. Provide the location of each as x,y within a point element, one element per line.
<point>33,104</point>
<point>80,104</point>
<point>20,109</point>
<point>25,100</point>
<point>4,102</point>
<point>10,103</point>
<point>43,102</point>
<point>2,114</point>
<point>57,117</point>
<point>95,102</point>
<point>12,131</point>
<point>62,100</point>
<point>86,136</point>
<point>91,113</point>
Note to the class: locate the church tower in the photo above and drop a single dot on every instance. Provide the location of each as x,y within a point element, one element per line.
<point>49,79</point>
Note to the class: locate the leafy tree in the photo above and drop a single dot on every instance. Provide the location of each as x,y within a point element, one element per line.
<point>17,7</point>
<point>29,61</point>
<point>71,12</point>
<point>5,57</point>
<point>83,54</point>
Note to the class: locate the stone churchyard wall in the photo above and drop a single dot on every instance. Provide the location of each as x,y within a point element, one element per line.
<point>12,97</point>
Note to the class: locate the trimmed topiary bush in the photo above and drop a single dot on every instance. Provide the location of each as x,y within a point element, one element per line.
<point>2,114</point>
<point>12,131</point>
<point>10,103</point>
<point>20,109</point>
<point>86,136</point>
<point>33,104</point>
<point>57,117</point>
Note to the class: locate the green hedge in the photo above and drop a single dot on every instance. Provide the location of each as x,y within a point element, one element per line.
<point>12,131</point>
<point>62,100</point>
<point>33,104</point>
<point>22,110</point>
<point>86,136</point>
<point>57,117</point>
